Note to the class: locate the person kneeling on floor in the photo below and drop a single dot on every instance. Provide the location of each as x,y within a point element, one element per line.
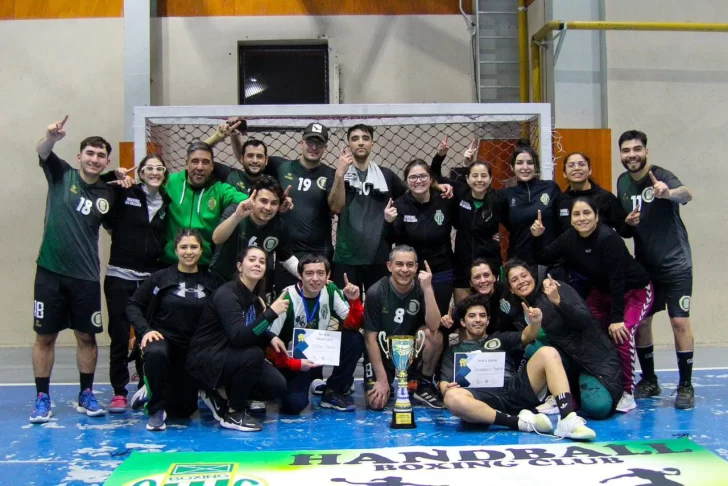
<point>164,311</point>
<point>523,388</point>
<point>316,304</point>
<point>226,350</point>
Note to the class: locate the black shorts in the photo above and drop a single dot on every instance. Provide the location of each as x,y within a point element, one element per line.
<point>673,291</point>
<point>370,378</point>
<point>66,303</point>
<point>517,395</point>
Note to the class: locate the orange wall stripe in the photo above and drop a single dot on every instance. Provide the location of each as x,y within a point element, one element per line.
<point>201,8</point>
<point>64,9</point>
<point>7,10</point>
<point>126,155</point>
<point>595,143</point>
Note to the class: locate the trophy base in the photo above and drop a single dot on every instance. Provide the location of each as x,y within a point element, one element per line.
<point>403,420</point>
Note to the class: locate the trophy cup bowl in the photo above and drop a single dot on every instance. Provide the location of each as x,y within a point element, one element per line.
<point>402,350</point>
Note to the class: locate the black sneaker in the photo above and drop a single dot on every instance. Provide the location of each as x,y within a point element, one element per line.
<point>337,401</point>
<point>215,403</point>
<point>428,394</point>
<point>647,387</point>
<point>156,421</point>
<point>685,398</point>
<point>240,420</point>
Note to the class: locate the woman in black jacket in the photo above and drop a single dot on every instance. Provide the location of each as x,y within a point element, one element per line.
<point>479,209</point>
<point>621,293</point>
<point>227,349</point>
<point>165,311</point>
<point>137,241</point>
<point>424,220</point>
<point>523,201</point>
<point>587,351</point>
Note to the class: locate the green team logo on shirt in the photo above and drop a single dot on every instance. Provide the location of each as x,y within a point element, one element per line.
<point>74,189</point>
<point>321,183</point>
<point>492,344</point>
<point>102,205</point>
<point>545,199</point>
<point>211,204</point>
<point>413,307</point>
<point>288,176</point>
<point>270,243</point>
<point>439,217</point>
<point>241,185</point>
<point>648,194</point>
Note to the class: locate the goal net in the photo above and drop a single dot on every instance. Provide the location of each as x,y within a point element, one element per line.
<point>401,132</point>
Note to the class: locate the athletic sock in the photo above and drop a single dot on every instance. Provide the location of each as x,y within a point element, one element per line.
<point>43,385</point>
<point>685,366</point>
<point>510,421</point>
<point>87,381</point>
<point>646,357</point>
<point>565,404</point>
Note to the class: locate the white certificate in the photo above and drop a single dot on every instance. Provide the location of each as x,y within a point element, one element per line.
<point>321,347</point>
<point>479,369</point>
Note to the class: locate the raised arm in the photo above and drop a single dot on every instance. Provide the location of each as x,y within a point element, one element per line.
<point>337,196</point>
<point>432,312</point>
<point>54,133</point>
<point>231,220</point>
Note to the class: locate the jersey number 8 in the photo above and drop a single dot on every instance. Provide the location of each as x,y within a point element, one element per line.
<point>399,316</point>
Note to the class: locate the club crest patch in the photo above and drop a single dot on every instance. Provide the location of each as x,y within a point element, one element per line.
<point>545,199</point>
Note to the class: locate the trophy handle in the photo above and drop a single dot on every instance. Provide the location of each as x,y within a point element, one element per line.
<point>383,343</point>
<point>421,340</point>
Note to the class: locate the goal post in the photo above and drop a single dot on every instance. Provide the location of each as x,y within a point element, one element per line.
<point>402,132</point>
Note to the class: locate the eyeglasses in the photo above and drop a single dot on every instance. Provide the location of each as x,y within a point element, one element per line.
<point>418,177</point>
<point>154,168</point>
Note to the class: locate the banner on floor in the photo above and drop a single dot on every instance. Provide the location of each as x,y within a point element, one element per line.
<point>658,462</point>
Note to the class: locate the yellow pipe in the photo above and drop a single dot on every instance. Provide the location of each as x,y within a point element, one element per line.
<point>552,25</point>
<point>523,49</point>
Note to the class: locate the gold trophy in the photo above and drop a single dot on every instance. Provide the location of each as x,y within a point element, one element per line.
<point>402,351</point>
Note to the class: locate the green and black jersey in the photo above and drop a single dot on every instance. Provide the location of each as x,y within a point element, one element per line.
<point>272,237</point>
<point>359,238</point>
<point>387,310</point>
<point>660,239</point>
<point>309,222</point>
<point>240,180</point>
<point>74,212</point>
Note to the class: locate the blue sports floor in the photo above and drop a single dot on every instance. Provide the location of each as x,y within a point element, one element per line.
<point>74,449</point>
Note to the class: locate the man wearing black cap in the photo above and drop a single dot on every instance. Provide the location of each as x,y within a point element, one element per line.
<point>310,181</point>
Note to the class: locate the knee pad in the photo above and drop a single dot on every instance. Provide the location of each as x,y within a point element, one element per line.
<point>596,401</point>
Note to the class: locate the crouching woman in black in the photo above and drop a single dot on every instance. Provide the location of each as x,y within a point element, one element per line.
<point>227,349</point>
<point>587,353</point>
<point>164,311</point>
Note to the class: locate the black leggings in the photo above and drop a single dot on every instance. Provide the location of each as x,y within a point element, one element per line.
<point>171,388</point>
<point>246,372</point>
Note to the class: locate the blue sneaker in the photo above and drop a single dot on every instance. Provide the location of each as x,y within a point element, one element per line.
<point>337,401</point>
<point>42,411</point>
<point>88,404</point>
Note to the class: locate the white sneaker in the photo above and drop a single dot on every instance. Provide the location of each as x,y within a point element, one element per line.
<point>317,387</point>
<point>139,398</point>
<point>574,427</point>
<point>549,406</point>
<point>533,422</point>
<point>626,403</point>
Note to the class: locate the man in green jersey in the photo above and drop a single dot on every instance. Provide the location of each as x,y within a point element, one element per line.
<point>401,304</point>
<point>67,293</point>
<point>198,199</point>
<point>652,196</point>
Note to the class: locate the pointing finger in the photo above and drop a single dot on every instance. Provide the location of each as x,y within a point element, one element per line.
<point>253,194</point>
<point>652,177</point>
<point>445,139</point>
<point>389,204</point>
<point>553,280</point>
<point>525,308</point>
<point>474,144</point>
<point>346,280</point>
<point>539,215</point>
<point>287,191</point>
<point>427,267</point>
<point>63,122</point>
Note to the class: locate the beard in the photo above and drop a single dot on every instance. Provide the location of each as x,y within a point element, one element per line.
<point>643,162</point>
